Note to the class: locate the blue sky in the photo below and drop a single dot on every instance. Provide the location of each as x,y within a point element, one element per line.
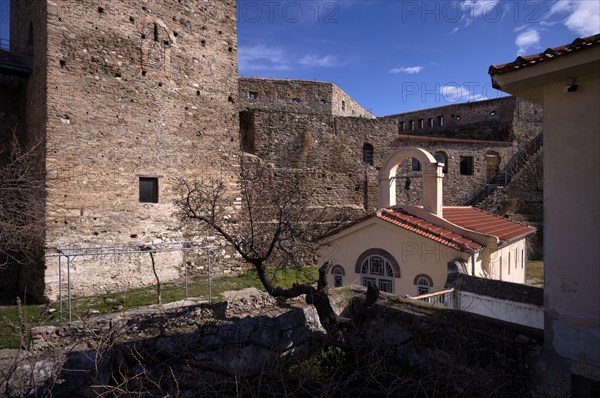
<point>395,56</point>
<point>398,56</point>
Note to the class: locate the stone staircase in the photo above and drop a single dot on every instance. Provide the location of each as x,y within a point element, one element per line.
<point>506,174</point>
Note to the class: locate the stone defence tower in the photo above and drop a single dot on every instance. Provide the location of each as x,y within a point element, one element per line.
<point>130,96</point>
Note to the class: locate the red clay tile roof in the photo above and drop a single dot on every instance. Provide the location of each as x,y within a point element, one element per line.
<point>487,223</point>
<point>424,228</point>
<point>550,54</point>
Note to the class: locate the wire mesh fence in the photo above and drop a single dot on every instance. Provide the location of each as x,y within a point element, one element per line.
<point>188,285</point>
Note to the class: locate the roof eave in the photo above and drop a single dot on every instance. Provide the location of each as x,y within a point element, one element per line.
<point>527,81</point>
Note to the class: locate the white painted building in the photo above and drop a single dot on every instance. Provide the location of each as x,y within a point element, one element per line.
<point>405,249</point>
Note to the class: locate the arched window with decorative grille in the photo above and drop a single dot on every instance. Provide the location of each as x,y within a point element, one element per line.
<point>377,270</point>
<point>338,275</point>
<point>424,284</point>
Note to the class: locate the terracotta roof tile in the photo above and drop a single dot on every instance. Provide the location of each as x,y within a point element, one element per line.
<point>424,228</point>
<point>487,223</point>
<point>551,53</point>
<point>463,216</point>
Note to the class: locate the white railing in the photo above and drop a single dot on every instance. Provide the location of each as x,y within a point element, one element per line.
<point>442,298</point>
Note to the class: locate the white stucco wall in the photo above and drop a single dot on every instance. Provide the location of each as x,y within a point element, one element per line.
<point>506,263</point>
<point>571,201</point>
<point>572,219</point>
<point>510,311</point>
<point>415,254</point>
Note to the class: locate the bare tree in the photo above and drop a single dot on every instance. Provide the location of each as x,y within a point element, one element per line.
<point>275,227</point>
<point>22,187</point>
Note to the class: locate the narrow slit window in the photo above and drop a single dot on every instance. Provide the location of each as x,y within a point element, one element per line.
<point>368,151</point>
<point>148,189</point>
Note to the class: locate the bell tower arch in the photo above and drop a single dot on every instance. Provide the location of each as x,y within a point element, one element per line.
<point>432,179</point>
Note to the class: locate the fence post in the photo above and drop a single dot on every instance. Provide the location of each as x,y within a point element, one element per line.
<point>209,279</point>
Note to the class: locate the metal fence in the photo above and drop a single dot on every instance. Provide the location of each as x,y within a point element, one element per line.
<point>66,255</point>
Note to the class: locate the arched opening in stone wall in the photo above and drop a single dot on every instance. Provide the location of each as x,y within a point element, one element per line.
<point>156,41</point>
<point>492,164</point>
<point>441,157</point>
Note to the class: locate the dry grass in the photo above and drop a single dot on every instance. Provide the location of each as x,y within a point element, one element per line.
<point>535,273</point>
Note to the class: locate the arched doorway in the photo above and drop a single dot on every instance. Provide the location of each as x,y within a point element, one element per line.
<point>492,164</point>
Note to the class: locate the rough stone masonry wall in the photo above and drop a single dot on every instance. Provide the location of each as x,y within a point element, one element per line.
<point>327,147</point>
<point>489,120</point>
<point>285,95</point>
<point>199,342</point>
<point>208,345</point>
<point>331,148</point>
<point>344,105</point>
<point>134,89</point>
<point>305,96</point>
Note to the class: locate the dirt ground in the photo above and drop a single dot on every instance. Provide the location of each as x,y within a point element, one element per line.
<point>535,273</point>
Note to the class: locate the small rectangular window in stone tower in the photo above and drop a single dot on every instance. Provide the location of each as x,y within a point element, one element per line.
<point>466,165</point>
<point>252,95</point>
<point>343,105</point>
<point>148,190</point>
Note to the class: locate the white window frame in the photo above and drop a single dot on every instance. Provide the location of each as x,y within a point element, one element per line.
<point>378,270</point>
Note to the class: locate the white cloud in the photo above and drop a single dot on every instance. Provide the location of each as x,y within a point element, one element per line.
<point>527,39</point>
<point>326,61</point>
<point>583,15</point>
<point>457,93</point>
<point>262,57</point>
<point>561,6</point>
<point>411,70</point>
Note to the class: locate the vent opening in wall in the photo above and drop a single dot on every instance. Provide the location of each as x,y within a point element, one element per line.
<point>149,189</point>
